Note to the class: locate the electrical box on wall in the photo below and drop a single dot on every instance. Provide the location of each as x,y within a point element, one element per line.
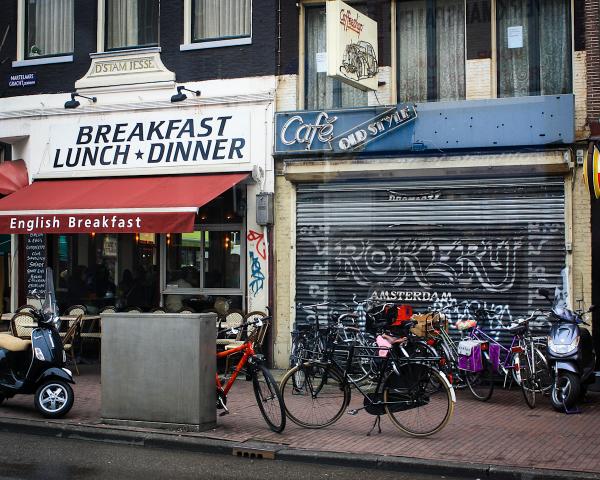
<point>264,208</point>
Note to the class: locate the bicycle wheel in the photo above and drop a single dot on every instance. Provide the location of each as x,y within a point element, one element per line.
<point>527,372</point>
<point>481,384</point>
<point>268,398</point>
<point>319,400</point>
<point>418,399</point>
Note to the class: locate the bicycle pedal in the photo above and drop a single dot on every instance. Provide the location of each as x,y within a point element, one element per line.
<point>223,413</point>
<point>352,412</point>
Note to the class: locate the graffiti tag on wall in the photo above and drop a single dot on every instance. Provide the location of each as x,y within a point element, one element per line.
<point>257,277</point>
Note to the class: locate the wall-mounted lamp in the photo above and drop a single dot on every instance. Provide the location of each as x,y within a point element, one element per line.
<point>180,97</point>
<point>74,103</point>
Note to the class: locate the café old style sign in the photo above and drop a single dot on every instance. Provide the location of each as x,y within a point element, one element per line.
<point>351,46</point>
<point>138,140</point>
<point>340,131</point>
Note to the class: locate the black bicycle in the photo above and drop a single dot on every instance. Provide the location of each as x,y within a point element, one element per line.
<point>417,398</point>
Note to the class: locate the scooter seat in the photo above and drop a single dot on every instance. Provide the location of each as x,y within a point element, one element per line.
<point>13,344</point>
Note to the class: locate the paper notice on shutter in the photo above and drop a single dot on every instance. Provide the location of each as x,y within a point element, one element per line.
<point>515,37</point>
<point>321,59</point>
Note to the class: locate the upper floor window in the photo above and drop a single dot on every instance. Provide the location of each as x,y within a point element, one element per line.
<point>534,47</point>
<point>431,50</point>
<point>131,23</point>
<point>220,19</point>
<point>321,91</point>
<point>49,28</point>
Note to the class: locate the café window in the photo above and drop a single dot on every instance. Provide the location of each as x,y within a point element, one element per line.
<point>430,50</point>
<point>100,270</point>
<point>131,23</point>
<point>204,269</point>
<point>48,28</point>
<point>534,47</point>
<point>220,19</point>
<point>320,91</point>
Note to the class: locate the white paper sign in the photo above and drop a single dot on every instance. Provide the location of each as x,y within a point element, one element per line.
<point>321,62</point>
<point>352,54</point>
<point>515,37</point>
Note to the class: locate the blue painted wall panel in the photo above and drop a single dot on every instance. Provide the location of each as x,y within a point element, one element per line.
<point>473,124</point>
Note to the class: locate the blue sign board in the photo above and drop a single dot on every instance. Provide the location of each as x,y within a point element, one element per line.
<point>439,126</point>
<point>21,80</point>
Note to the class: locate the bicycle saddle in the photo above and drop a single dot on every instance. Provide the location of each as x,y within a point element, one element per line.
<point>517,327</point>
<point>465,324</point>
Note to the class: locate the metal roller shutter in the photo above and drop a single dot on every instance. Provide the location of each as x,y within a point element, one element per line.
<point>488,243</point>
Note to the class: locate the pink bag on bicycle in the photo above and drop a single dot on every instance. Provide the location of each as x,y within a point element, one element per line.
<point>384,346</point>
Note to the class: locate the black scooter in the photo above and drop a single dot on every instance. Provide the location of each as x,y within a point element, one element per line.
<point>570,355</point>
<point>37,366</point>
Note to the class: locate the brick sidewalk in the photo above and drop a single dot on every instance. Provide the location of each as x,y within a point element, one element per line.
<point>503,431</point>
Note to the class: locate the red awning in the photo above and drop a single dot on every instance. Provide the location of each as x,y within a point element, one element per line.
<point>114,205</point>
<point>13,176</point>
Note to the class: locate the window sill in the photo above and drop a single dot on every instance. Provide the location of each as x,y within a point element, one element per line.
<point>42,61</point>
<point>216,44</point>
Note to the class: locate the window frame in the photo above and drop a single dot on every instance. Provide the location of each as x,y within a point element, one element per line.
<point>22,31</point>
<point>496,70</point>
<point>221,227</point>
<point>302,77</point>
<point>395,51</point>
<point>190,44</point>
<point>102,34</point>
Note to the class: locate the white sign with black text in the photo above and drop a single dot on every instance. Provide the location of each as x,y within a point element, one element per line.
<point>149,140</point>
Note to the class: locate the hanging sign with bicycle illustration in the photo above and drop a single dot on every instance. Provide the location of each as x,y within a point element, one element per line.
<point>351,46</point>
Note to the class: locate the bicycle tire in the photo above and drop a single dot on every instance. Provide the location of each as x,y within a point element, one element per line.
<point>321,399</point>
<point>481,384</point>
<point>527,378</point>
<point>418,399</point>
<point>268,397</point>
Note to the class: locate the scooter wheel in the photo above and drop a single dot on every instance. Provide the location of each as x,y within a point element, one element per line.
<point>565,392</point>
<point>54,398</point>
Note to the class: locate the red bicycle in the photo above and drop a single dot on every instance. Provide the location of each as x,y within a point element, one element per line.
<point>266,389</point>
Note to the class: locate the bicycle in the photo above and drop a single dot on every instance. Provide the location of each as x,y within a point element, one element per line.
<point>499,359</point>
<point>418,399</point>
<point>266,390</point>
<point>437,336</point>
<point>349,330</point>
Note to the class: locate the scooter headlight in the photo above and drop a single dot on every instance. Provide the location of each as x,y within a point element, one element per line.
<point>563,349</point>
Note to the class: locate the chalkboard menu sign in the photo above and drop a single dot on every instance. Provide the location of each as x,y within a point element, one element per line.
<point>35,263</point>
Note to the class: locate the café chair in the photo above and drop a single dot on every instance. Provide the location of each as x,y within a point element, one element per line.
<point>254,332</point>
<point>186,310</point>
<point>69,340</point>
<point>22,324</point>
<point>76,310</point>
<point>109,309</point>
<point>233,319</point>
<point>158,310</point>
<point>25,308</point>
<point>133,310</point>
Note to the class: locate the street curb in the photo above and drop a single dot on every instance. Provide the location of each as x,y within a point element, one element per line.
<point>185,442</point>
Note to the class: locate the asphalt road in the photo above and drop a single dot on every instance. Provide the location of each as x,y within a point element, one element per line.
<point>47,458</point>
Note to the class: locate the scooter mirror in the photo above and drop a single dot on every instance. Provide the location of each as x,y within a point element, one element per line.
<point>593,308</point>
<point>544,292</point>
